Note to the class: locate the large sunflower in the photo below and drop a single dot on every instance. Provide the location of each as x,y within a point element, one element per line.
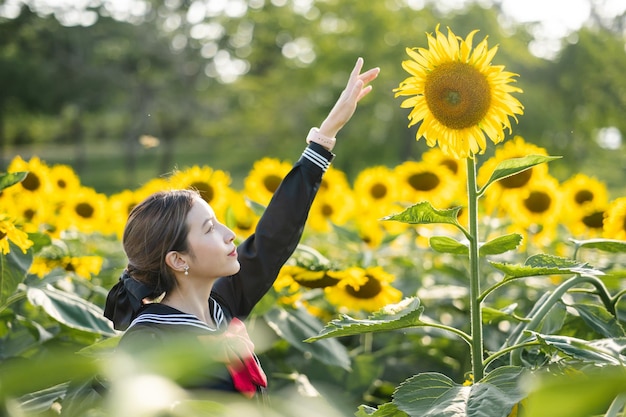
<point>457,95</point>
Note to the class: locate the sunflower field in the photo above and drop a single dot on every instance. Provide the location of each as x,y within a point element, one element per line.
<point>456,285</point>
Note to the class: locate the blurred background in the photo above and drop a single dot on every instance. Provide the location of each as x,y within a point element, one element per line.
<point>128,90</point>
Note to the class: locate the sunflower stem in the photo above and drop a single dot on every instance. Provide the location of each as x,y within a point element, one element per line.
<point>474,295</point>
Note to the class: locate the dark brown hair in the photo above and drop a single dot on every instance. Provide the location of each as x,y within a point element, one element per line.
<point>155,227</point>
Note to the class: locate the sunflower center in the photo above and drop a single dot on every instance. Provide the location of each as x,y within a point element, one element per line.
<point>84,210</point>
<point>518,180</point>
<point>457,94</point>
<point>327,210</point>
<point>594,220</point>
<point>424,181</point>
<point>271,182</point>
<point>368,290</point>
<point>323,282</point>
<point>451,164</point>
<point>583,196</point>
<point>378,191</point>
<point>61,183</point>
<point>31,182</point>
<point>206,191</point>
<point>538,202</point>
<point>28,214</point>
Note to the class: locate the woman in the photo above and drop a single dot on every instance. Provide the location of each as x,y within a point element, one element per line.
<point>181,255</point>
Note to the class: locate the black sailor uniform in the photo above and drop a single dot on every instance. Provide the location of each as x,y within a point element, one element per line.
<point>261,257</point>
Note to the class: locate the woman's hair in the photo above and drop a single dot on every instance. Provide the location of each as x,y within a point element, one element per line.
<point>155,227</point>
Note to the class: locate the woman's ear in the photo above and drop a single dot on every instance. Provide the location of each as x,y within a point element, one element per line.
<point>175,261</point>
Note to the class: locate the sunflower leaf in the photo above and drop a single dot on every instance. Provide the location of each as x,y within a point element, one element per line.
<point>445,244</point>
<point>501,244</point>
<point>12,178</point>
<point>425,213</point>
<point>607,245</point>
<point>433,394</point>
<point>514,166</point>
<point>544,264</point>
<point>391,317</point>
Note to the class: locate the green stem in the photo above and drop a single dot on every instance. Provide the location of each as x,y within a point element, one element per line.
<point>474,295</point>
<point>12,299</point>
<point>450,329</point>
<point>504,351</point>
<point>558,293</point>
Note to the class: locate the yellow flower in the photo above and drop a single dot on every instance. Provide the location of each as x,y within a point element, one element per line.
<point>615,220</point>
<point>501,192</point>
<point>63,179</point>
<point>85,210</point>
<point>37,180</point>
<point>30,211</point>
<point>369,228</point>
<point>536,212</point>
<point>457,95</point>
<point>8,232</point>
<point>264,178</point>
<point>377,186</point>
<point>363,289</point>
<point>586,199</point>
<point>334,206</point>
<point>240,216</point>
<point>119,207</point>
<point>213,185</point>
<point>421,181</point>
<point>84,266</point>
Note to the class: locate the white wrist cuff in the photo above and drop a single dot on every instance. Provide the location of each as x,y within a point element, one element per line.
<point>317,137</point>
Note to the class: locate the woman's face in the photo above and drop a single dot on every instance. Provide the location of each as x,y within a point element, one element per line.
<point>212,253</point>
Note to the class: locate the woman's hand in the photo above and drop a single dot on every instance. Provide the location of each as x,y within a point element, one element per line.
<point>357,88</point>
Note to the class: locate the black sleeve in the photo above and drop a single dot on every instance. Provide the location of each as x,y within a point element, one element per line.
<point>276,236</point>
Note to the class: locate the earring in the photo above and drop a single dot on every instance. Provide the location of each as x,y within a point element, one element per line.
<point>186,269</point>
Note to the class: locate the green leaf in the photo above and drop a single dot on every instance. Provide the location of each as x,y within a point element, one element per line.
<point>16,375</point>
<point>12,178</point>
<point>543,264</point>
<point>444,244</point>
<point>602,352</point>
<point>391,317</point>
<point>70,310</point>
<point>424,213</point>
<point>501,244</point>
<point>514,166</point>
<point>435,395</point>
<point>295,325</point>
<point>492,315</point>
<point>600,320</point>
<point>41,401</point>
<point>383,410</point>
<point>607,245</point>
<point>13,267</point>
<point>575,394</point>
